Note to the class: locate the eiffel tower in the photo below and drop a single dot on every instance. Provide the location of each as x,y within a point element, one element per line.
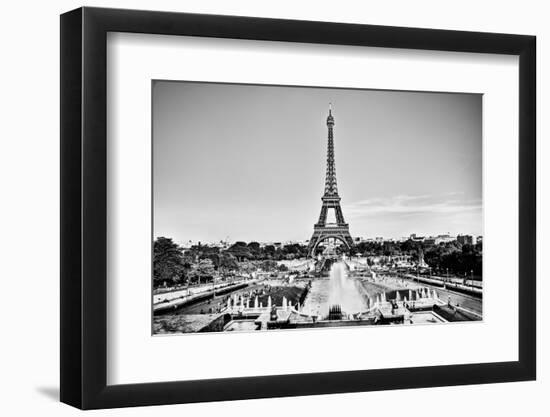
<point>331,200</point>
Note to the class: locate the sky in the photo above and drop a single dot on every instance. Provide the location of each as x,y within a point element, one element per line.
<point>247,162</point>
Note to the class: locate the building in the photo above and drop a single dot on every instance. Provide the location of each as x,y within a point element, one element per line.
<point>415,238</point>
<point>465,239</point>
<point>443,239</point>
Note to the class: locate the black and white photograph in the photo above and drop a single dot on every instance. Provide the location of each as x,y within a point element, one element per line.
<point>287,207</point>
<point>276,208</point>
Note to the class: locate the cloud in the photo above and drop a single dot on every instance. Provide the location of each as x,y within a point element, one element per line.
<point>409,205</point>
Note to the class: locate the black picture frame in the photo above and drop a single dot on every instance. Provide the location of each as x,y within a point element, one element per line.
<point>84,207</point>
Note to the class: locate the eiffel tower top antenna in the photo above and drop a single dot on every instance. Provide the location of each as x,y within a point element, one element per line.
<point>331,188</point>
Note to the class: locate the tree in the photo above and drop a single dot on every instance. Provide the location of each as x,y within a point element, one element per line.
<point>268,265</point>
<point>228,262</point>
<point>459,259</point>
<point>269,249</point>
<point>240,250</point>
<point>168,265</point>
<point>204,270</point>
<point>254,246</point>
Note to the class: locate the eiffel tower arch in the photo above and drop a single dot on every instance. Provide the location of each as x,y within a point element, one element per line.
<point>330,201</point>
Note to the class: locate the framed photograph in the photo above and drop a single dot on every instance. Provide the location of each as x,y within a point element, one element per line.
<point>257,208</point>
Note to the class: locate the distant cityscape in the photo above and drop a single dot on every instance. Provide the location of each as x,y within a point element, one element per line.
<point>463,239</point>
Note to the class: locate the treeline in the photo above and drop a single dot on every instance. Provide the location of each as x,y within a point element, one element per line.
<point>253,251</point>
<point>454,257</point>
<point>173,265</point>
<point>407,247</point>
<point>463,260</point>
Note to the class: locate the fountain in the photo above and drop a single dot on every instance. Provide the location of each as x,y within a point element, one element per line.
<point>256,302</point>
<point>343,292</point>
<point>335,313</point>
<point>269,301</point>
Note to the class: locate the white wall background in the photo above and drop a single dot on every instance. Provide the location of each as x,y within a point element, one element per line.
<point>29,173</point>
